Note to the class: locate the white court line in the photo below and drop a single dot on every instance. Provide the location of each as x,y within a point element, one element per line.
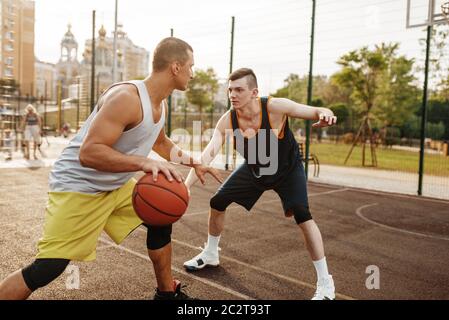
<point>244,264</point>
<point>328,192</point>
<point>360,215</point>
<point>392,194</point>
<point>104,247</point>
<point>310,195</point>
<point>199,213</point>
<point>207,282</point>
<point>266,202</point>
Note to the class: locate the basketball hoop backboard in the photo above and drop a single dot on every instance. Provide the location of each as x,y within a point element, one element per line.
<point>423,13</point>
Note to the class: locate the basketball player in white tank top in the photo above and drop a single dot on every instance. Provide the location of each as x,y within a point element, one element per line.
<point>120,110</point>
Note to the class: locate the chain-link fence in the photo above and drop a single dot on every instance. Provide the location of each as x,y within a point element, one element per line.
<point>367,67</point>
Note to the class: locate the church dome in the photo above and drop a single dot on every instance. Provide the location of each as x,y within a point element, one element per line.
<point>69,38</point>
<point>102,32</point>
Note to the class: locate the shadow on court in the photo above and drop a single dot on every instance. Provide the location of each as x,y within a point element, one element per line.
<point>263,256</point>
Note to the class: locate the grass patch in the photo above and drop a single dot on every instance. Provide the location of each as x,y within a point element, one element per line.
<point>387,159</point>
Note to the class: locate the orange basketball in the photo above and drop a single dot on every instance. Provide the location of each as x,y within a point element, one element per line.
<point>160,203</point>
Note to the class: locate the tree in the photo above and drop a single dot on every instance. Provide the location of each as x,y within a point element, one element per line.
<point>412,128</point>
<point>439,113</point>
<point>443,93</point>
<point>342,112</point>
<point>382,89</point>
<point>435,131</point>
<point>202,89</point>
<point>324,93</point>
<point>439,63</point>
<point>332,94</point>
<point>439,74</point>
<point>362,70</point>
<point>295,88</point>
<point>398,96</point>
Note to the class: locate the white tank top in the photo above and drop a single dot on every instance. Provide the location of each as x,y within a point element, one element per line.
<point>68,175</point>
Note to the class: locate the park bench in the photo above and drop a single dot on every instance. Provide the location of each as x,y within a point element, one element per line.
<point>312,158</point>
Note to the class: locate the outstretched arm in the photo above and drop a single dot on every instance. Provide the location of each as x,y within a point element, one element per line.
<point>213,148</point>
<point>324,116</point>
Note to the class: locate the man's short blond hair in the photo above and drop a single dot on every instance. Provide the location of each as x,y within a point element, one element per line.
<point>168,51</point>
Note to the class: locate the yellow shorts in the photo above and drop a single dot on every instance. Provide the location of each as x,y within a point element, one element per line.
<point>74,222</point>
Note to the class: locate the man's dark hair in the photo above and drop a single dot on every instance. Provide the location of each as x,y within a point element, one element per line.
<point>248,73</point>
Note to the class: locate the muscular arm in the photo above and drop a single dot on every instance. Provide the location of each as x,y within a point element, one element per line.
<point>119,109</point>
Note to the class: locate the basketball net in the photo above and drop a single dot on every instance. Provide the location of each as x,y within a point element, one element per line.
<point>445,10</point>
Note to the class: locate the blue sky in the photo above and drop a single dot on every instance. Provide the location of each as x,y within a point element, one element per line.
<point>272,36</point>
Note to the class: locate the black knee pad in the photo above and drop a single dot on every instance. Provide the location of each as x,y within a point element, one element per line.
<point>158,237</point>
<point>219,203</point>
<point>43,271</point>
<point>301,214</point>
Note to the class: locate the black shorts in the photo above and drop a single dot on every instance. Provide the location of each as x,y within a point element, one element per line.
<point>242,188</point>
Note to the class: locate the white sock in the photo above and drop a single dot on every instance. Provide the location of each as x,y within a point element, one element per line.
<point>212,244</point>
<point>321,269</point>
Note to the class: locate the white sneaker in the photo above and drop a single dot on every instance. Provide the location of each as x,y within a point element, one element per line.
<point>325,289</point>
<point>203,260</point>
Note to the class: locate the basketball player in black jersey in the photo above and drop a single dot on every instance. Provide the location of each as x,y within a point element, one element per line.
<point>260,129</point>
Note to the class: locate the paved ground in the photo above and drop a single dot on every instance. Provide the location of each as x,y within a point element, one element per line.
<point>383,180</point>
<point>262,256</point>
<point>51,149</point>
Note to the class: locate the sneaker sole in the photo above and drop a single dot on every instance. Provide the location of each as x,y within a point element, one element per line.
<point>190,268</point>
